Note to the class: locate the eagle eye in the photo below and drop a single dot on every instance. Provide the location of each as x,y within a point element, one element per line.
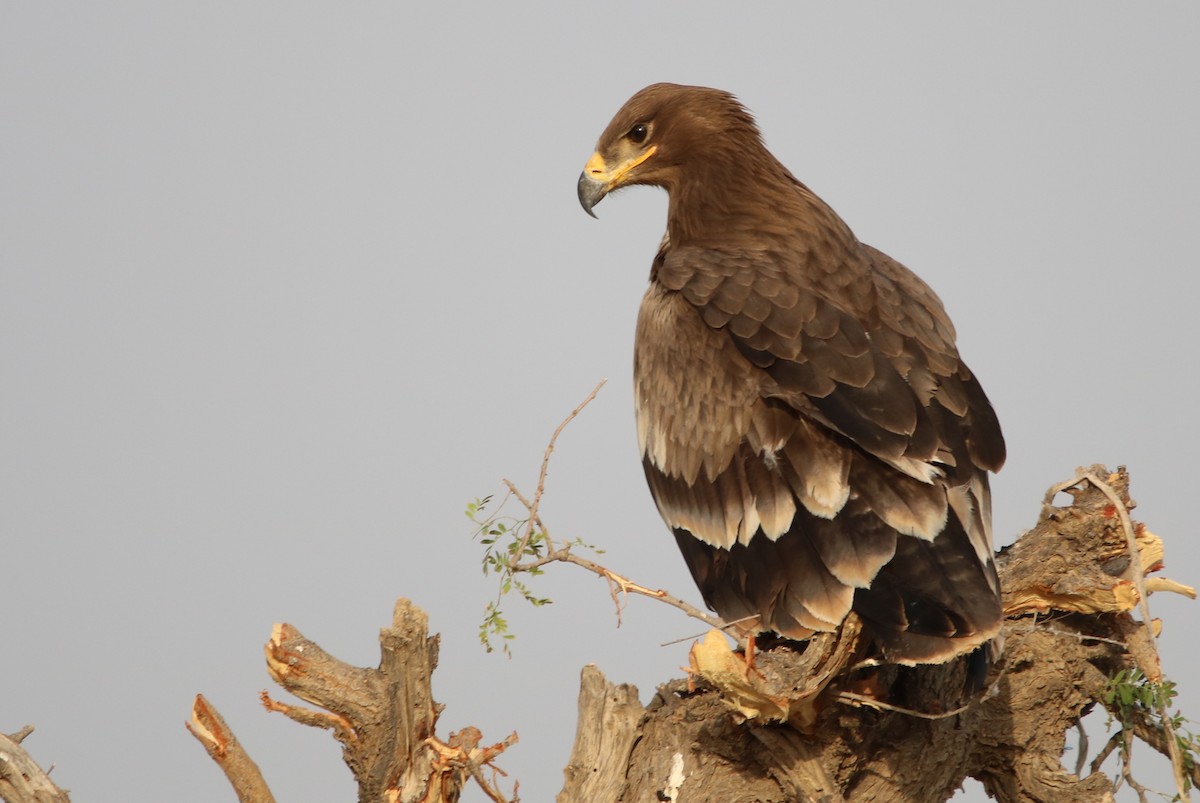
<point>637,135</point>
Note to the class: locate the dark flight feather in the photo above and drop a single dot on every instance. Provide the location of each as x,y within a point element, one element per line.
<point>808,429</point>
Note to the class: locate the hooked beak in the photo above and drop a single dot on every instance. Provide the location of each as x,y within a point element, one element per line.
<point>598,179</point>
<point>590,191</point>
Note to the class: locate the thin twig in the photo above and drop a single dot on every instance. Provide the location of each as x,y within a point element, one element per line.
<point>1127,768</point>
<point>1081,756</point>
<point>724,626</point>
<point>1135,558</point>
<point>1146,730</point>
<point>489,790</point>
<point>541,486</point>
<point>513,490</point>
<point>565,555</point>
<point>458,752</point>
<point>1113,742</point>
<point>1081,637</point>
<point>617,583</point>
<point>614,589</point>
<point>342,728</point>
<point>1054,490</point>
<point>1139,582</point>
<point>861,699</point>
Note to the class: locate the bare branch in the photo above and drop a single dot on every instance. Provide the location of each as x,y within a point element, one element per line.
<point>210,729</point>
<point>626,585</point>
<point>343,731</point>
<point>1155,672</point>
<point>541,485</point>
<point>1158,739</point>
<point>1116,740</point>
<point>851,698</point>
<point>462,751</point>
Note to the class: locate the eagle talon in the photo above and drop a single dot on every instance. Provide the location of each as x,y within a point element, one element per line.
<point>749,652</point>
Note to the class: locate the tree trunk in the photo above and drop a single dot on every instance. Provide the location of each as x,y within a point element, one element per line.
<point>810,723</point>
<point>887,733</point>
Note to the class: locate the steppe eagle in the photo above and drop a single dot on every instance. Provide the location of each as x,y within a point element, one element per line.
<point>807,427</point>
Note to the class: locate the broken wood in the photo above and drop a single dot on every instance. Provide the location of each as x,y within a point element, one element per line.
<point>799,723</point>
<point>209,728</point>
<point>385,718</point>
<point>888,733</point>
<point>21,779</point>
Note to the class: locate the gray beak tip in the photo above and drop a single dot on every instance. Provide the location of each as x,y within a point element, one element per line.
<point>590,193</point>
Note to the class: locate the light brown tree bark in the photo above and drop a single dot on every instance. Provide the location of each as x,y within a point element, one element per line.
<point>1070,584</point>
<point>21,779</point>
<point>812,724</point>
<point>385,718</point>
<point>802,724</point>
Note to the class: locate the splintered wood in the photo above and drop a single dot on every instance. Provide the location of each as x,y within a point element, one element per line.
<point>1080,562</point>
<point>824,724</point>
<point>385,718</point>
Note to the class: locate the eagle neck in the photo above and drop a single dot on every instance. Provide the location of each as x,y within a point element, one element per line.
<point>746,198</point>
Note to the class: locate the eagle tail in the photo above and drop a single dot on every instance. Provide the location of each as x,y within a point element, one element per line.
<point>932,601</point>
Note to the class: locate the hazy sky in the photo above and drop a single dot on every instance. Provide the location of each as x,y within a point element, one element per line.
<point>282,288</point>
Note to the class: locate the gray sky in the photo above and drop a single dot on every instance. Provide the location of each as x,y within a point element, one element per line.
<point>281,289</point>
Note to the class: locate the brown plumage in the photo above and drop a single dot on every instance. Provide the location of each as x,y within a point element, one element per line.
<point>807,427</point>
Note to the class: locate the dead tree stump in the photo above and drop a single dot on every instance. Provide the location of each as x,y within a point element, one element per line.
<point>887,733</point>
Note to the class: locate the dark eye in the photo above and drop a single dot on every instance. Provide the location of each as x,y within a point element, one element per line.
<point>637,135</point>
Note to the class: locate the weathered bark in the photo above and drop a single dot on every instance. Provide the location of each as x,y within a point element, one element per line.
<point>385,718</point>
<point>609,717</point>
<point>210,729</point>
<point>381,716</point>
<point>21,779</point>
<point>812,723</point>
<point>1069,588</point>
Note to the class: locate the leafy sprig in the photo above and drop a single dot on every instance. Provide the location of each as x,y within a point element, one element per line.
<point>510,542</point>
<point>1131,697</point>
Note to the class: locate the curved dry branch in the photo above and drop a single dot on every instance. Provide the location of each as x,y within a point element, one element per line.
<point>534,521</point>
<point>1139,580</point>
<point>617,582</point>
